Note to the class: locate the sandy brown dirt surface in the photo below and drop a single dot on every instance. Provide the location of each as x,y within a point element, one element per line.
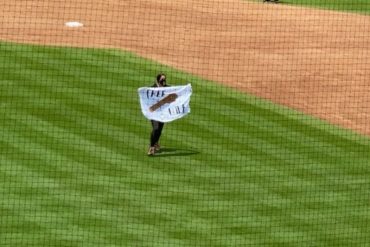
<point>314,61</point>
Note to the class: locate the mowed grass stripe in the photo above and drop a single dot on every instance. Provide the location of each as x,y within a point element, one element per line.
<point>107,102</point>
<point>86,189</point>
<point>359,6</point>
<point>238,170</point>
<point>103,133</point>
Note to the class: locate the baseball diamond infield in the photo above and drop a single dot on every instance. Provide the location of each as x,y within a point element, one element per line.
<point>315,61</point>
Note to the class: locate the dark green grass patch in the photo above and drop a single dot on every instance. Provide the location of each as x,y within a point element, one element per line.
<point>238,171</point>
<point>357,6</point>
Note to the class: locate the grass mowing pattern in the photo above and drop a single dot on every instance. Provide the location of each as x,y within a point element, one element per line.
<point>237,171</point>
<point>358,6</point>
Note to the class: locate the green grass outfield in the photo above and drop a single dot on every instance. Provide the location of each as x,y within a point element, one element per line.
<point>238,171</point>
<point>358,6</point>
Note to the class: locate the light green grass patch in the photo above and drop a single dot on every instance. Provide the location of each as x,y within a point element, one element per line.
<point>358,6</point>
<point>237,171</point>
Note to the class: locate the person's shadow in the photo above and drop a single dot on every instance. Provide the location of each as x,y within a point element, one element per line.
<point>164,152</point>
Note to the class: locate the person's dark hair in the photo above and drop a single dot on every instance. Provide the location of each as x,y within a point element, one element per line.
<point>159,76</point>
<point>163,82</point>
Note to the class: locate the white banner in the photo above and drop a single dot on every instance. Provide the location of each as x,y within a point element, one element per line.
<point>165,104</point>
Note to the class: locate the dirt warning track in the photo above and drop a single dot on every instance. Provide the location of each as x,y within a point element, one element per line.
<point>315,61</point>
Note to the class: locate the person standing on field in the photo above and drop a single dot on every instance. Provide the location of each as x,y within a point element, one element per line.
<point>157,126</point>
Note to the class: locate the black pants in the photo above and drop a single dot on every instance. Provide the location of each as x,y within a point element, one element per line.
<point>156,132</point>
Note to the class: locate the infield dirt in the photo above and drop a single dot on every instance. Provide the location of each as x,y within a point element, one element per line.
<point>315,61</point>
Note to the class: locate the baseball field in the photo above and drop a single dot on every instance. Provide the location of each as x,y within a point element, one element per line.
<point>275,152</point>
<point>360,6</point>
